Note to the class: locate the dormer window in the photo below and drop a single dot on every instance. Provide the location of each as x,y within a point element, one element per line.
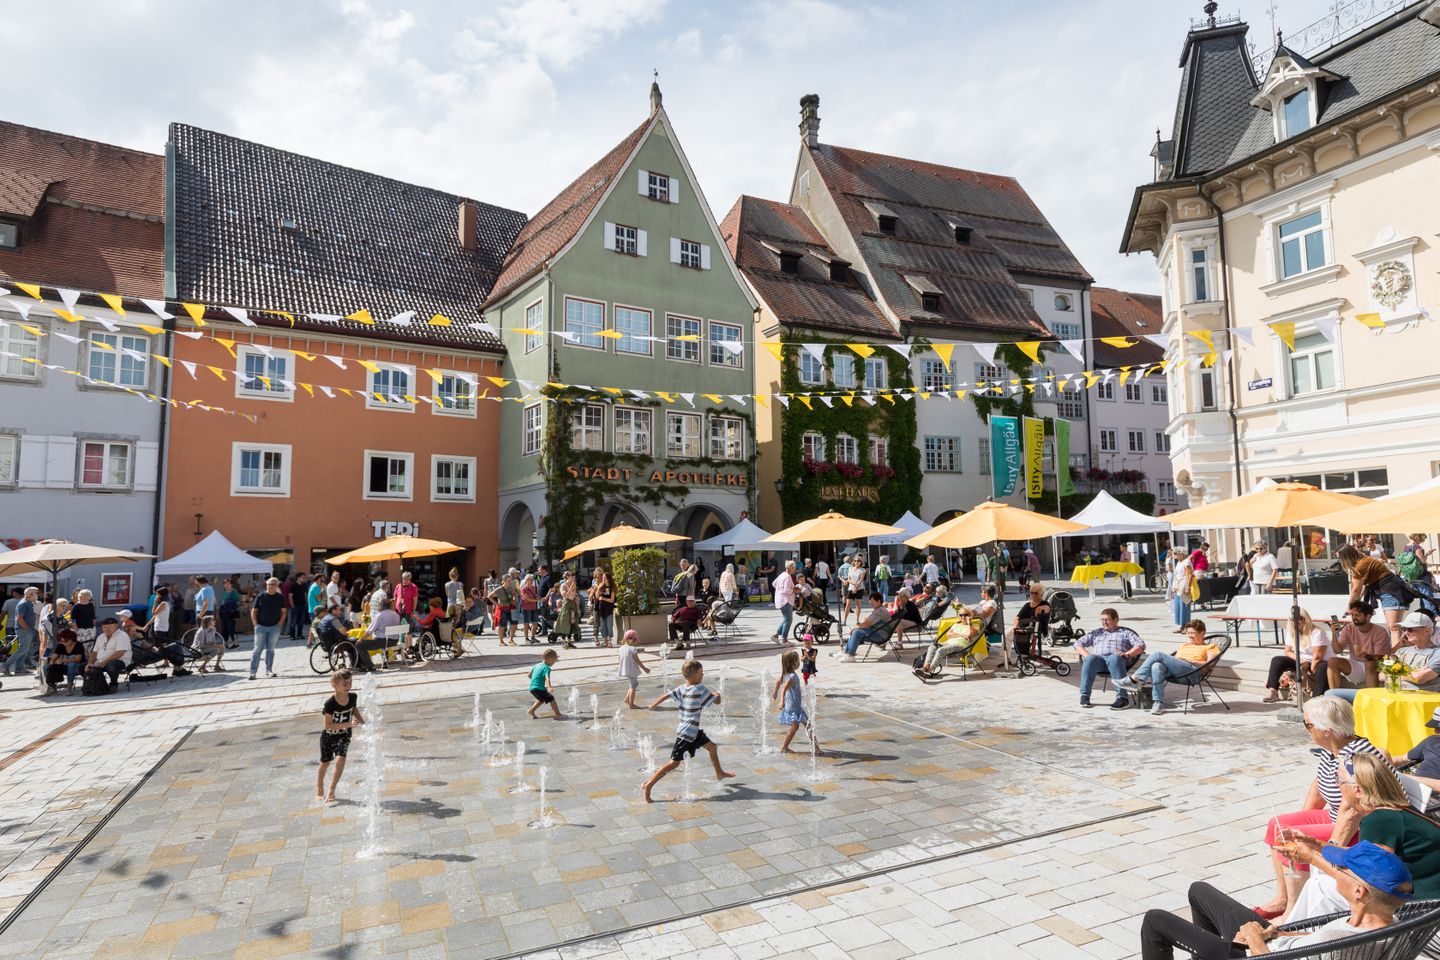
<point>885,218</point>
<point>930,302</point>
<point>9,235</point>
<point>1290,90</point>
<point>1296,117</point>
<point>839,271</point>
<point>962,235</point>
<point>886,223</point>
<point>930,295</point>
<point>789,262</point>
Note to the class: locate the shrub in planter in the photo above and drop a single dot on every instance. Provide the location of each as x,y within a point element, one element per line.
<point>639,572</point>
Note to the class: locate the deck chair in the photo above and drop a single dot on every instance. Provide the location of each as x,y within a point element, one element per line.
<point>882,640</point>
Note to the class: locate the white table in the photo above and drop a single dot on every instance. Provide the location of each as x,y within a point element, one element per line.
<point>1275,608</point>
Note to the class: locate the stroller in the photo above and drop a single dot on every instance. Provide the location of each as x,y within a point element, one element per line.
<point>1063,615</point>
<point>814,618</point>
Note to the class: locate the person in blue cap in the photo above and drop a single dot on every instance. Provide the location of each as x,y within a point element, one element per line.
<point>1373,881</point>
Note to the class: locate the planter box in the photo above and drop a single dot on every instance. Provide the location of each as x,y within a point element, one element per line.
<point>651,627</point>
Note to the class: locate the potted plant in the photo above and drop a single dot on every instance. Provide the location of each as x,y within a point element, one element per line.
<point>639,573</point>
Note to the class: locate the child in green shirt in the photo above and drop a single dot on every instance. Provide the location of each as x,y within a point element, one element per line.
<point>540,687</point>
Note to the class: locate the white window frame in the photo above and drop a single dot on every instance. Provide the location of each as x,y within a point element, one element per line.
<point>1160,393</point>
<point>1065,303</point>
<point>728,360</point>
<point>10,457</point>
<point>658,187</point>
<point>1134,392</point>
<point>989,372</point>
<point>436,460</point>
<point>1109,440</point>
<point>810,369</point>
<point>15,339</point>
<point>879,451</point>
<point>812,446</point>
<point>1282,111</point>
<point>587,426</point>
<point>237,451</point>
<point>842,361</point>
<point>1201,375</point>
<point>1165,491</point>
<point>724,439</point>
<point>984,455</point>
<point>633,415</point>
<point>847,449</point>
<point>1200,271</point>
<point>627,240</point>
<point>1067,330</point>
<point>682,351</point>
<point>1070,405</point>
<point>449,409</point>
<point>1162,441</point>
<point>535,320</point>
<point>935,377</point>
<point>578,338</point>
<point>877,365</point>
<point>1105,390</point>
<point>695,433</point>
<point>691,254</point>
<point>278,392</point>
<point>1309,353</point>
<point>629,343</point>
<point>1301,240</point>
<point>109,446</point>
<point>532,434</point>
<point>932,452</point>
<point>139,342</point>
<point>390,370</point>
<point>392,455</point>
<point>1136,440</point>
<point>1290,208</point>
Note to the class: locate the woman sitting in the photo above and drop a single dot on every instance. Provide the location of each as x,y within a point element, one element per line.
<point>1032,620</point>
<point>1313,660</point>
<point>1332,731</point>
<point>903,608</point>
<point>1376,802</point>
<point>986,612</point>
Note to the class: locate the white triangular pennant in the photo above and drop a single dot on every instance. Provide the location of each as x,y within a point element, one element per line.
<point>639,394</point>
<point>325,317</point>
<point>784,399</point>
<point>1244,333</point>
<point>986,351</point>
<point>267,350</point>
<point>688,398</point>
<point>828,401</point>
<point>189,367</point>
<point>69,297</point>
<point>402,319</point>
<point>239,314</point>
<point>327,391</point>
<point>1325,326</point>
<point>1159,339</point>
<point>816,350</point>
<point>64,336</point>
<point>108,324</point>
<point>901,348</point>
<point>157,307</point>
<point>1076,348</point>
<point>191,334</point>
<point>739,398</point>
<point>338,361</point>
<point>21,307</point>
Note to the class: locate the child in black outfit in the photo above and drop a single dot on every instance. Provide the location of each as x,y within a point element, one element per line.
<point>342,714</point>
<point>808,653</point>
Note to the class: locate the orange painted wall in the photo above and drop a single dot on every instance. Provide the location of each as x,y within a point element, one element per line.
<point>328,437</point>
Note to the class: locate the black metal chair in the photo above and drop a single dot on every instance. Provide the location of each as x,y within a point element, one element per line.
<point>1414,931</point>
<point>1198,679</point>
<point>882,639</point>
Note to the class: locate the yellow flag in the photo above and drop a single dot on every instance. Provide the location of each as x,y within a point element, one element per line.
<point>688,337</point>
<point>439,320</point>
<point>410,399</point>
<point>889,398</point>
<point>1284,329</point>
<point>805,400</point>
<point>1208,360</point>
<point>554,386</point>
<point>68,317</point>
<point>227,344</point>
<point>370,365</point>
<point>114,303</point>
<point>102,345</point>
<point>924,395</point>
<point>1121,342</point>
<point>434,374</point>
<point>667,397</point>
<point>611,334</point>
<point>196,311</point>
<point>775,347</point>
<point>153,331</point>
<point>362,316</point>
<point>1091,378</point>
<point>264,380</point>
<point>615,390</point>
<point>164,360</point>
<point>1204,337</point>
<point>308,389</point>
<point>959,394</point>
<point>1124,375</point>
<point>217,371</point>
<point>282,313</point>
<point>1031,349</point>
<point>943,351</point>
<point>528,331</point>
<point>1371,320</point>
<point>304,356</point>
<point>348,393</point>
<point>861,348</point>
<point>849,399</point>
<point>31,288</point>
<point>500,382</point>
<point>712,397</point>
<point>761,400</point>
<point>33,331</point>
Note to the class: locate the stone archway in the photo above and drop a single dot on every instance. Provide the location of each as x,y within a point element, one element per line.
<point>700,521</point>
<point>517,537</point>
<point>612,513</point>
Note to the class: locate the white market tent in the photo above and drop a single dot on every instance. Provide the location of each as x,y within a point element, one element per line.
<point>1105,515</point>
<point>910,526</point>
<point>213,556</point>
<point>744,536</point>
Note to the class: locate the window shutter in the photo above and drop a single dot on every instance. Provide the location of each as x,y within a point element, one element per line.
<point>674,249</point>
<point>609,235</point>
<point>60,462</point>
<point>640,242</point>
<point>32,455</point>
<point>704,256</point>
<point>674,190</point>
<point>644,183</point>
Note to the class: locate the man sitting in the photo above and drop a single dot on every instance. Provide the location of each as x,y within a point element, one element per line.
<point>380,624</point>
<point>332,628</point>
<point>1111,646</point>
<point>1418,651</point>
<point>683,622</point>
<point>1373,881</point>
<point>1160,666</point>
<point>111,653</point>
<point>1426,757</point>
<point>1364,644</point>
<point>867,630</point>
<point>145,651</point>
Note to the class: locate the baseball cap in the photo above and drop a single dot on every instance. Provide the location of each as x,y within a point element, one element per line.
<point>125,615</point>
<point>1375,865</point>
<point>1434,722</point>
<point>1417,619</point>
<point>110,620</point>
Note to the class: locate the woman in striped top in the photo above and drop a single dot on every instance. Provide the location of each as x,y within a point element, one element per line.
<point>1331,726</point>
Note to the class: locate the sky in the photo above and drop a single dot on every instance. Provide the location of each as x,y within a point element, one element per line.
<point>507,101</point>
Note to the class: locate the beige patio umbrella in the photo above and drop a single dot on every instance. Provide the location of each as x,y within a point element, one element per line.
<point>1417,512</point>
<point>834,527</point>
<point>398,547</point>
<point>53,556</point>
<point>621,535</point>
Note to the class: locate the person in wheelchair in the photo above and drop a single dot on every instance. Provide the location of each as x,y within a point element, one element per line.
<point>963,636</point>
<point>332,629</point>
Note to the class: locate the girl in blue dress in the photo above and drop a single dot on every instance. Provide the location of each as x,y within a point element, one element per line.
<point>792,709</point>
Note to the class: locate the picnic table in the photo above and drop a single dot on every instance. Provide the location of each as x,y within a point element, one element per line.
<point>1274,609</point>
<point>1088,572</point>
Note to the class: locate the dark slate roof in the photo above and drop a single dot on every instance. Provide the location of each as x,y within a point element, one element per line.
<point>556,225</point>
<point>808,298</point>
<point>1010,236</point>
<point>359,240</point>
<point>96,213</point>
<point>1115,313</point>
<point>1216,126</point>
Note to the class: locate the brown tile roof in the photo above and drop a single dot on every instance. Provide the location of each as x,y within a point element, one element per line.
<point>100,226</point>
<point>20,193</point>
<point>1009,236</point>
<point>557,223</point>
<point>1115,313</point>
<point>808,299</point>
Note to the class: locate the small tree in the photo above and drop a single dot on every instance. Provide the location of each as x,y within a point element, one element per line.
<point>639,572</point>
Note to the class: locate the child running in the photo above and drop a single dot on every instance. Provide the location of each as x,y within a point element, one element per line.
<point>808,656</point>
<point>792,711</point>
<point>630,665</point>
<point>540,687</point>
<point>692,697</point>
<point>342,714</point>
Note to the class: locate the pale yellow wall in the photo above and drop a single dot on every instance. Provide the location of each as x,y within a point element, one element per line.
<point>767,422</point>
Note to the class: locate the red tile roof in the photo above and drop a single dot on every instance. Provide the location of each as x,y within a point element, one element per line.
<point>100,226</point>
<point>1115,313</point>
<point>557,223</point>
<point>809,298</point>
<point>21,193</point>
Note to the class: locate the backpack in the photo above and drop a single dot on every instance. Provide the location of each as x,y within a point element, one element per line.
<point>94,684</point>
<point>1409,565</point>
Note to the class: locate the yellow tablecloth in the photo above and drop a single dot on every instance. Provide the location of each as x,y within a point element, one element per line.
<point>1087,572</point>
<point>1394,722</point>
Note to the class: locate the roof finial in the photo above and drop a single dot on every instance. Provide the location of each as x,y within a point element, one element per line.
<point>1210,7</point>
<point>655,98</point>
<point>1279,39</point>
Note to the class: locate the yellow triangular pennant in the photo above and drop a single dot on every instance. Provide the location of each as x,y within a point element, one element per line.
<point>775,348</point>
<point>434,375</point>
<point>304,356</point>
<point>1204,337</point>
<point>1284,329</point>
<point>500,382</point>
<point>31,288</point>
<point>1031,349</point>
<point>227,344</point>
<point>864,349</point>
<point>1124,375</point>
<point>612,334</point>
<point>102,345</point>
<point>1091,378</point>
<point>308,389</point>
<point>153,331</point>
<point>216,370</point>
<point>761,400</point>
<point>370,365</point>
<point>439,320</point>
<point>1121,342</point>
<point>943,351</point>
<point>164,360</point>
<point>68,317</point>
<point>712,397</point>
<point>889,398</point>
<point>805,400</point>
<point>33,331</point>
<point>849,399</point>
<point>114,303</point>
<point>196,311</point>
<point>362,316</point>
<point>1371,320</point>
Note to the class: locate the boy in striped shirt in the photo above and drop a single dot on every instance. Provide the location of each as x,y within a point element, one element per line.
<point>692,697</point>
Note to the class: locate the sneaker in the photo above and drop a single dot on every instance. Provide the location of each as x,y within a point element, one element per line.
<point>1085,702</point>
<point>270,674</point>
<point>847,658</point>
<point>1127,684</point>
<point>1121,702</point>
<point>252,676</point>
<point>1158,709</point>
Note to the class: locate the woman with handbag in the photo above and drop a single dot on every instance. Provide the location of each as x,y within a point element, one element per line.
<point>602,604</point>
<point>1184,590</point>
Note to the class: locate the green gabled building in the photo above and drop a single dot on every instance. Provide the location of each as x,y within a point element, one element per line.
<point>622,290</point>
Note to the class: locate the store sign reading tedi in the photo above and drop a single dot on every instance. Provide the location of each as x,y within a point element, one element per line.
<point>391,528</point>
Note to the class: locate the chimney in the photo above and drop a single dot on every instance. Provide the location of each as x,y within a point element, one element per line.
<point>810,119</point>
<point>469,216</point>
